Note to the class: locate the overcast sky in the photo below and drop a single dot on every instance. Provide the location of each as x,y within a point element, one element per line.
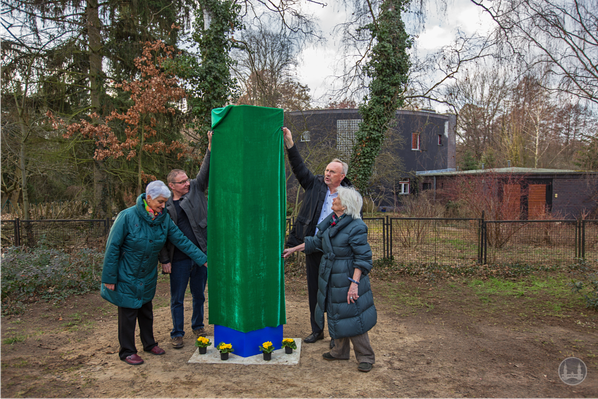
<point>317,64</point>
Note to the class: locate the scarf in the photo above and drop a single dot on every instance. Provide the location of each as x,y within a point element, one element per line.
<point>335,219</point>
<point>151,212</point>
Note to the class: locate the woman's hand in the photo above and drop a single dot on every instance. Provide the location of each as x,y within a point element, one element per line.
<point>289,251</point>
<point>352,295</point>
<point>110,286</point>
<point>206,264</point>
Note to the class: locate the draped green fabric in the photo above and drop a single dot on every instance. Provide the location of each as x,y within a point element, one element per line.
<point>246,218</point>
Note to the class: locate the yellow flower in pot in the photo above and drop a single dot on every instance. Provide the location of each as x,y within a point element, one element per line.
<point>224,349</point>
<point>267,348</point>
<point>289,344</point>
<point>202,343</point>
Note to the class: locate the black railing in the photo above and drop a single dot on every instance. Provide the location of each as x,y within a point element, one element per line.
<point>56,233</point>
<point>448,241</point>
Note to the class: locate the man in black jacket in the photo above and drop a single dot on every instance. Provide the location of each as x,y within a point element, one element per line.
<point>317,201</point>
<point>188,208</point>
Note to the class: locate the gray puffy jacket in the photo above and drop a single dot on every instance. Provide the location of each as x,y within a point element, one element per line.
<point>345,247</point>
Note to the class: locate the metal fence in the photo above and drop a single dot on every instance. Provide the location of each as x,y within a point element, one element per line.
<point>447,241</point>
<point>589,241</point>
<point>66,234</point>
<point>433,240</point>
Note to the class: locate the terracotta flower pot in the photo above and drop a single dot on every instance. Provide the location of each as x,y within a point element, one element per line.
<point>288,350</point>
<point>267,356</point>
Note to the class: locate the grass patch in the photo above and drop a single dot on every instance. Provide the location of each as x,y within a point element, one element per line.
<point>78,321</point>
<point>555,285</point>
<point>542,295</point>
<point>524,292</point>
<point>404,299</point>
<point>14,339</point>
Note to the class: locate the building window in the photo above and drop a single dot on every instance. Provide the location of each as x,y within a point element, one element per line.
<point>305,137</point>
<point>345,135</point>
<point>404,187</point>
<point>440,139</point>
<point>426,186</point>
<point>415,141</point>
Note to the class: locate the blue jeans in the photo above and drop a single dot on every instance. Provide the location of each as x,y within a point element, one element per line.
<point>183,272</point>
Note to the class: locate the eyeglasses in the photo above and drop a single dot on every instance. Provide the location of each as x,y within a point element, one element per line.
<point>181,182</point>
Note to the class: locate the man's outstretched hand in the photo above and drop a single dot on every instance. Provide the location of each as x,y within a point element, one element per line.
<point>288,138</point>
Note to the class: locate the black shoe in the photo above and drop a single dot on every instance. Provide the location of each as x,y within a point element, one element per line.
<point>313,337</point>
<point>328,356</point>
<point>331,343</point>
<point>364,367</point>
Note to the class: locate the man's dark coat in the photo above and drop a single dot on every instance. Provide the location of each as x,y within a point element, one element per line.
<point>313,199</point>
<point>195,205</point>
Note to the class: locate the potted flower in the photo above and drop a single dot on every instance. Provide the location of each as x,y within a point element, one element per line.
<point>289,344</point>
<point>267,348</point>
<point>202,343</point>
<point>224,349</point>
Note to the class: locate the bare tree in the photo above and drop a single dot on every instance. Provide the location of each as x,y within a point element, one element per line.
<point>479,96</point>
<point>559,34</point>
<point>266,70</point>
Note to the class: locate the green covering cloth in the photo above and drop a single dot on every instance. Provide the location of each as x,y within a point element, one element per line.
<point>246,218</point>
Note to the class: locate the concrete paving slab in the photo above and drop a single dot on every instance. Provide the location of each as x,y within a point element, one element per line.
<point>278,356</point>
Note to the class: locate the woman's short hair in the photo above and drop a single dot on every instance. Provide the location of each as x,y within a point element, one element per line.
<point>156,189</point>
<point>351,200</point>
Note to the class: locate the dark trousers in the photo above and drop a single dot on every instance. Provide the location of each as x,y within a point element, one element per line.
<point>312,266</point>
<point>126,329</point>
<point>186,272</point>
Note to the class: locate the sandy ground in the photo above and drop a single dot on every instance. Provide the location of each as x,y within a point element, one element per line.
<point>449,346</point>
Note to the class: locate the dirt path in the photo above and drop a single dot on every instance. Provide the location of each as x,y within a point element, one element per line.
<point>445,343</point>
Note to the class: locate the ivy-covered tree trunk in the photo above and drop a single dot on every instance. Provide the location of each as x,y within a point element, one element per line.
<point>212,85</point>
<point>388,68</point>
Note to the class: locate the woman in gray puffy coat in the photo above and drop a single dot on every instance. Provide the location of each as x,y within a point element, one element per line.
<point>343,285</point>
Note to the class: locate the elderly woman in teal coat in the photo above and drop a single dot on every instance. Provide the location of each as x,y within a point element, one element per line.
<point>130,272</point>
<point>343,285</point>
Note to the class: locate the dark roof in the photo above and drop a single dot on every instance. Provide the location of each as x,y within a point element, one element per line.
<point>512,171</point>
<point>356,111</point>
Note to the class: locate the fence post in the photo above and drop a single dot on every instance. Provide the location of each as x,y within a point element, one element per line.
<point>583,239</point>
<point>17,233</point>
<point>485,238</point>
<point>481,239</point>
<point>578,223</point>
<point>385,236</point>
<point>390,237</point>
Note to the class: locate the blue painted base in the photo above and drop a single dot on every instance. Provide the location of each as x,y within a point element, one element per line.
<point>248,344</point>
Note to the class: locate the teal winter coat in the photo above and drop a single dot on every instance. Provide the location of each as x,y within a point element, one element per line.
<point>345,247</point>
<point>131,258</point>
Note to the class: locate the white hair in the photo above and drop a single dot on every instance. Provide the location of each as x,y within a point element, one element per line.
<point>351,200</point>
<point>156,189</point>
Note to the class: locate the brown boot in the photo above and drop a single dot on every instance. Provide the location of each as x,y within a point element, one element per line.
<point>177,342</point>
<point>201,332</point>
